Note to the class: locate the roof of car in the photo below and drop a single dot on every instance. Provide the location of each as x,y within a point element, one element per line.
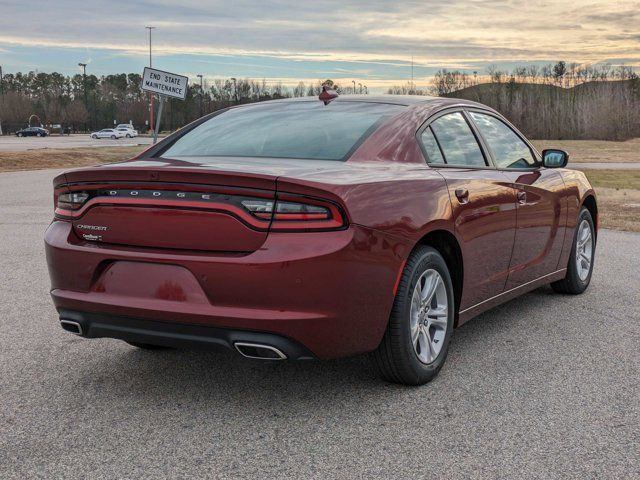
<point>402,100</point>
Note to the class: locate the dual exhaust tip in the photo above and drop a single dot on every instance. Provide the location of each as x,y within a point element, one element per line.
<point>71,326</point>
<point>256,351</point>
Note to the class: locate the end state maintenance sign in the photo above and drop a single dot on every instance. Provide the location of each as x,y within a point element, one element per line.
<point>164,83</point>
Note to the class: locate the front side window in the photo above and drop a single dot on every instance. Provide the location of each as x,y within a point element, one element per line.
<point>457,141</point>
<point>299,130</point>
<point>508,149</point>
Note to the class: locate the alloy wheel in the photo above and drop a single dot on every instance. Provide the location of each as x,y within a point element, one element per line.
<point>584,250</point>
<point>429,316</point>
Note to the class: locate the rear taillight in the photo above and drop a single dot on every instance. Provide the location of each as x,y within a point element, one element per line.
<point>293,213</point>
<point>70,201</point>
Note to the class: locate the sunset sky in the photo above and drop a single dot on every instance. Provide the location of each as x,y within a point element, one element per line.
<point>291,40</point>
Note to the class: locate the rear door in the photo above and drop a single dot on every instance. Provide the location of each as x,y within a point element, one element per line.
<point>538,240</point>
<point>482,201</point>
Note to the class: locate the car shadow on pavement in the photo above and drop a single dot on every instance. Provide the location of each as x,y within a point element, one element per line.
<point>124,372</point>
<point>201,371</point>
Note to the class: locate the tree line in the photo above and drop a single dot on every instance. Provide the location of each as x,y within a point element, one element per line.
<point>90,103</point>
<point>555,101</point>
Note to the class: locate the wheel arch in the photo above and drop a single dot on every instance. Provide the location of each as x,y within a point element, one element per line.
<point>590,204</point>
<point>447,245</point>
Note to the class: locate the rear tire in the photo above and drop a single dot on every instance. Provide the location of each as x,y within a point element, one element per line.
<point>582,257</point>
<point>148,346</point>
<point>410,355</point>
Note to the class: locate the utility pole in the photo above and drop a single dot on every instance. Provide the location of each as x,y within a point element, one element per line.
<point>84,81</point>
<point>201,95</point>
<point>235,89</point>
<point>84,87</point>
<point>150,94</point>
<point>412,89</point>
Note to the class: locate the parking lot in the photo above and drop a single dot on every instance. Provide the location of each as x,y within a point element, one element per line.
<point>545,386</point>
<point>11,143</point>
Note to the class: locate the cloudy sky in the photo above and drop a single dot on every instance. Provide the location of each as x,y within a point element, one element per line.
<point>371,41</point>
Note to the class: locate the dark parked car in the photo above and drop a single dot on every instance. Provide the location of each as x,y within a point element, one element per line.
<point>32,132</point>
<point>297,229</point>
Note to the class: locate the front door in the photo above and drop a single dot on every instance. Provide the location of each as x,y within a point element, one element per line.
<point>540,228</point>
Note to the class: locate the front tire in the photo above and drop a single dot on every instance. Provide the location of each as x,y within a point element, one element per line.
<point>416,342</point>
<point>583,251</point>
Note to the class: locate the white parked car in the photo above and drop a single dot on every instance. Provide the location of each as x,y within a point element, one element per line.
<point>108,133</point>
<point>128,132</point>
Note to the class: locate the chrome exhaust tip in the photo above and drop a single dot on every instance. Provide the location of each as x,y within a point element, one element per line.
<point>259,352</point>
<point>71,326</point>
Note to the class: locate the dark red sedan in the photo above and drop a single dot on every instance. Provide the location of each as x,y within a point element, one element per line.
<point>303,229</point>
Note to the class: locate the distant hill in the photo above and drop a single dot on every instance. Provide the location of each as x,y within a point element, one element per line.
<point>606,110</point>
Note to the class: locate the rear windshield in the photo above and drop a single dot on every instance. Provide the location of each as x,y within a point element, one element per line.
<point>304,130</point>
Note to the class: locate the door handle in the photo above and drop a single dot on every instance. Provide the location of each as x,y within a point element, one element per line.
<point>463,195</point>
<point>521,195</point>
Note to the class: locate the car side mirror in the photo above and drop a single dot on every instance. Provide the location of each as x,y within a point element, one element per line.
<point>554,158</point>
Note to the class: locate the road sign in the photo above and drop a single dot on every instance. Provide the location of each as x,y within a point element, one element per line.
<point>164,83</point>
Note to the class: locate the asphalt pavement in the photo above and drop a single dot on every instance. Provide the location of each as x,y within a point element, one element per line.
<point>545,386</point>
<point>11,143</point>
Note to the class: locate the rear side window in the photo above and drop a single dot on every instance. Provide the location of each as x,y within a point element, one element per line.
<point>457,141</point>
<point>302,130</point>
<point>434,155</point>
<point>508,149</point>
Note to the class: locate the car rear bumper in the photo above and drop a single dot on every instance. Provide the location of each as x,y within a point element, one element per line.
<point>328,292</point>
<point>179,335</point>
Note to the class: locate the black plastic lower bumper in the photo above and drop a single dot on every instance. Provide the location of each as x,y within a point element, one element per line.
<point>178,335</point>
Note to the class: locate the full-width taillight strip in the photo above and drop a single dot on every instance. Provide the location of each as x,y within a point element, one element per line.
<point>286,212</point>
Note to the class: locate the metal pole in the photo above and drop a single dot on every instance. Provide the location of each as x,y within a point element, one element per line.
<point>84,87</point>
<point>411,92</point>
<point>155,131</point>
<point>150,94</point>
<point>354,86</point>
<point>235,89</point>
<point>201,95</point>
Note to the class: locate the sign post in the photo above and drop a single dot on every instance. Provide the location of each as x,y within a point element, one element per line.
<point>155,131</point>
<point>165,84</point>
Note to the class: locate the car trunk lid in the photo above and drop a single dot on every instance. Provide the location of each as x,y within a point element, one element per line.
<point>156,205</point>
